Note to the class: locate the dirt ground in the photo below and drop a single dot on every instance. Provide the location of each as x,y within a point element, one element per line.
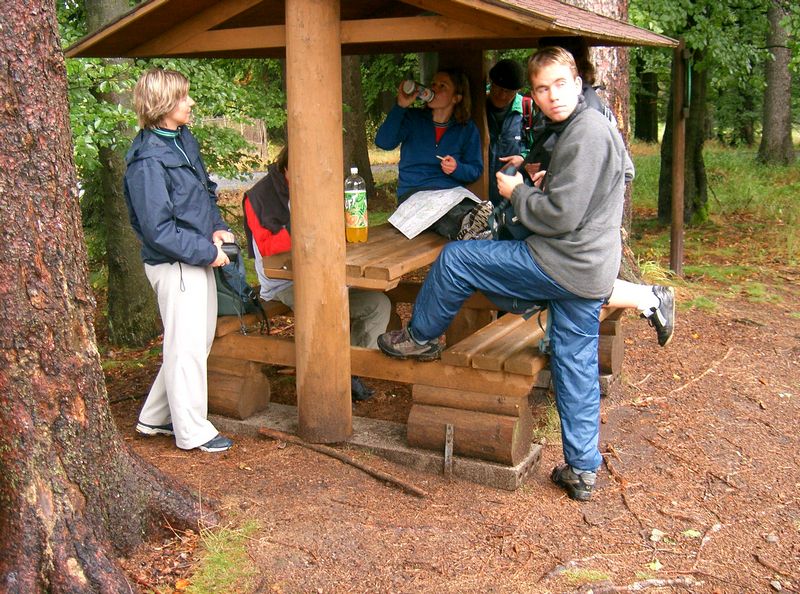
<point>699,492</point>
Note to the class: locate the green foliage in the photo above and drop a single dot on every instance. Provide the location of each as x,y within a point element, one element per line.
<point>381,74</point>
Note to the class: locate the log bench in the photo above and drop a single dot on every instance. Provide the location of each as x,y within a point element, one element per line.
<point>480,386</point>
<point>239,388</point>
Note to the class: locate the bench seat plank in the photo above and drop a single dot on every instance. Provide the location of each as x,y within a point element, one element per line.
<point>494,355</point>
<point>461,353</point>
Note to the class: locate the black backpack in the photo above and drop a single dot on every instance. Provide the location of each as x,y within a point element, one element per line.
<point>235,297</point>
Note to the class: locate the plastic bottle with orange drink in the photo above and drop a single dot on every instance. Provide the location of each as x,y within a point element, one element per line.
<point>356,220</point>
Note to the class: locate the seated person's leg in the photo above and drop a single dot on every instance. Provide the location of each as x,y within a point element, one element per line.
<point>369,316</point>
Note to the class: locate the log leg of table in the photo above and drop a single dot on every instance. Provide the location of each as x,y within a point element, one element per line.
<point>485,426</point>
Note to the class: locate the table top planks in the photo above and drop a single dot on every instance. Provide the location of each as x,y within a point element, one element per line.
<point>376,264</point>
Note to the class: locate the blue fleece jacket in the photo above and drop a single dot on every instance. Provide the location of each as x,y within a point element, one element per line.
<point>171,201</point>
<point>419,169</point>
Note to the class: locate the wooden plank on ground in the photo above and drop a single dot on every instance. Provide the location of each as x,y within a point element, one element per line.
<point>497,438</point>
<point>512,406</point>
<point>461,354</point>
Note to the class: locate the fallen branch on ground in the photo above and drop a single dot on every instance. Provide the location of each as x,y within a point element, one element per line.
<point>706,537</point>
<point>333,453</point>
<point>699,377</point>
<point>645,584</point>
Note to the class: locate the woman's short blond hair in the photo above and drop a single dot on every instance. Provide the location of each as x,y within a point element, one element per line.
<point>157,92</point>
<point>550,55</point>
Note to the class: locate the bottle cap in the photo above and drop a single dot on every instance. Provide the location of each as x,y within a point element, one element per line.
<point>354,171</point>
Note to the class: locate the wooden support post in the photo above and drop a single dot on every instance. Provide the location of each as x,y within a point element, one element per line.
<point>678,158</point>
<point>322,327</point>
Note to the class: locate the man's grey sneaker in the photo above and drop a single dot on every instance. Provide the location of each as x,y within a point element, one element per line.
<point>399,344</point>
<point>577,483</point>
<point>218,444</point>
<point>145,429</point>
<point>475,224</point>
<point>662,317</point>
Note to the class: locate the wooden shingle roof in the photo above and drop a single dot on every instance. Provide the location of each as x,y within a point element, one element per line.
<point>255,28</point>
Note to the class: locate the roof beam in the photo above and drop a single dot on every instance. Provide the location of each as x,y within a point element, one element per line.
<point>502,20</point>
<point>201,22</point>
<point>411,29</point>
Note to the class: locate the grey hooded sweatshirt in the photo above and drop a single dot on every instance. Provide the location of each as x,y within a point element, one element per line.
<point>576,217</point>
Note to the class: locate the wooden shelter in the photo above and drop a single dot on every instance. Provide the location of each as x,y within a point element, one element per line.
<point>312,35</point>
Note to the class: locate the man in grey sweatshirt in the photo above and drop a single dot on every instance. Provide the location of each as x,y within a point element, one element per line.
<point>569,261</point>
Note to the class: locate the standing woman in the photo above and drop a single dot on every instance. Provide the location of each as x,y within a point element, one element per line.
<point>440,147</point>
<point>173,209</point>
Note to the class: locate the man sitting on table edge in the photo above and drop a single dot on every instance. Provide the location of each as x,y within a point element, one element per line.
<point>266,217</point>
<point>570,260</point>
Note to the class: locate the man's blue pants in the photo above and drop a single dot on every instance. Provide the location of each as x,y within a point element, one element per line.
<point>507,269</point>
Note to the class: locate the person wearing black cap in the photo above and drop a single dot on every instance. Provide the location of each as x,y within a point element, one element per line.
<point>504,113</point>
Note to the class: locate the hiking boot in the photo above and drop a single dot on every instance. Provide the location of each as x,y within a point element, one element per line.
<point>577,483</point>
<point>475,224</point>
<point>359,390</point>
<point>145,429</point>
<point>662,317</point>
<point>220,443</point>
<point>399,344</point>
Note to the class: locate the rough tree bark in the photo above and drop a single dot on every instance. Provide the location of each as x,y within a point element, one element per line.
<point>776,137</point>
<point>611,73</point>
<point>72,495</point>
<point>695,201</point>
<point>133,318</point>
<point>355,125</point>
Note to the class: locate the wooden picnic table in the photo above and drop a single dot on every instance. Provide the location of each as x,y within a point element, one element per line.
<point>377,264</point>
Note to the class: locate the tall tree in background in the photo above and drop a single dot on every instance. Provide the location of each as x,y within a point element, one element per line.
<point>132,312</point>
<point>645,126</point>
<point>72,495</point>
<point>723,40</point>
<point>776,136</point>
<point>355,125</point>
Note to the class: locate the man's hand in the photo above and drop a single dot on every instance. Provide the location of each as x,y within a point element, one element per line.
<point>538,177</point>
<point>507,183</point>
<point>223,236</point>
<point>515,160</point>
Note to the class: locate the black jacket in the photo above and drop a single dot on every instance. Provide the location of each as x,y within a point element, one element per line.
<point>172,204</point>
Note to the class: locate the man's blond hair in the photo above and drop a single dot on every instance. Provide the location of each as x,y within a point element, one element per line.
<point>550,55</point>
<point>157,92</point>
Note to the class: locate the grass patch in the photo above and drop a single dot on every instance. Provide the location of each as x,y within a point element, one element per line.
<point>702,303</point>
<point>549,425</point>
<point>225,566</point>
<point>577,577</point>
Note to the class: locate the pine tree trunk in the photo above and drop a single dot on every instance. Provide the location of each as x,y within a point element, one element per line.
<point>132,310</point>
<point>355,125</point>
<point>695,201</point>
<point>611,74</point>
<point>72,495</point>
<point>776,137</point>
<point>646,125</point>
